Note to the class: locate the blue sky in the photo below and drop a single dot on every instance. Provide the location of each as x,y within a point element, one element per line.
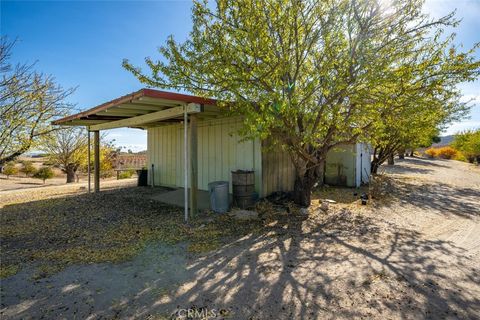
<point>82,43</point>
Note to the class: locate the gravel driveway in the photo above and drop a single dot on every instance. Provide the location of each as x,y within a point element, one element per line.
<point>413,254</point>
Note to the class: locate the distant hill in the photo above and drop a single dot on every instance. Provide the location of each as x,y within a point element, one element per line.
<point>35,154</point>
<point>444,141</point>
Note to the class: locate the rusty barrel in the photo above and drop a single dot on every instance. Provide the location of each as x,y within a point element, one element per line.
<point>243,185</point>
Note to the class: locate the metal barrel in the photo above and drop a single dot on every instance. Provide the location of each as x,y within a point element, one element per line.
<point>219,201</point>
<point>243,185</point>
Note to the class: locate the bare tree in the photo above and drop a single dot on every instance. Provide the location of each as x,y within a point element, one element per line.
<point>29,101</point>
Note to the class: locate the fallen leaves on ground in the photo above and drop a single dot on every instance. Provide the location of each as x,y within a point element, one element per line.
<point>111,226</point>
<point>8,270</point>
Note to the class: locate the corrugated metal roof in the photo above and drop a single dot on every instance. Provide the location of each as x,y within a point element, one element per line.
<point>135,104</point>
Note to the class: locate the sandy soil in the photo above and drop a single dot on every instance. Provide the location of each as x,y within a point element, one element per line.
<point>21,182</point>
<point>22,194</point>
<point>414,254</point>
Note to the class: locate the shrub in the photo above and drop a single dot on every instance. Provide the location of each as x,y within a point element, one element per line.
<point>431,153</point>
<point>446,152</point>
<point>28,168</point>
<point>471,159</point>
<point>460,157</point>
<point>10,169</point>
<point>44,173</point>
<point>468,143</point>
<point>126,174</point>
<point>107,173</point>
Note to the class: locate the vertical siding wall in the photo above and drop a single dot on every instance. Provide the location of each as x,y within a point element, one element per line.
<point>165,152</point>
<point>340,166</point>
<point>219,152</point>
<point>278,172</point>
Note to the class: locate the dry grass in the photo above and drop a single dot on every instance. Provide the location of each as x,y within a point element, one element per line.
<point>108,227</point>
<point>414,255</point>
<point>344,198</point>
<point>62,226</point>
<point>8,270</point>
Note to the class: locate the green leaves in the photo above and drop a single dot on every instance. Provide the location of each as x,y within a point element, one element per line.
<point>44,173</point>
<point>67,148</point>
<point>311,75</point>
<point>468,143</point>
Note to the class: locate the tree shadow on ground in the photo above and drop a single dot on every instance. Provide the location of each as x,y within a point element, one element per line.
<point>399,169</point>
<point>440,197</point>
<point>328,267</point>
<point>78,227</point>
<point>429,162</point>
<point>340,194</point>
<point>414,165</point>
<point>331,269</point>
<point>32,183</point>
<point>340,265</point>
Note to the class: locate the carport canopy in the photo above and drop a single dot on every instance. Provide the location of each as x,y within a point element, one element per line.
<point>143,109</point>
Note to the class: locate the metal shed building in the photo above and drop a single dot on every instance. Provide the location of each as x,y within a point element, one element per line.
<point>188,134</point>
<point>220,151</point>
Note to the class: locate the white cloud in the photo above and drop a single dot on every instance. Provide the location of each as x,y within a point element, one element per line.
<point>460,126</point>
<point>133,139</point>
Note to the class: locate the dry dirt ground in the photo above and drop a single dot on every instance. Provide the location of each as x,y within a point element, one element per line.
<point>411,253</point>
<point>19,182</point>
<point>22,182</point>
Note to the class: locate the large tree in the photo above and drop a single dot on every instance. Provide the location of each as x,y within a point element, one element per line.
<point>29,101</point>
<point>468,143</point>
<point>301,72</point>
<point>420,104</point>
<point>67,149</point>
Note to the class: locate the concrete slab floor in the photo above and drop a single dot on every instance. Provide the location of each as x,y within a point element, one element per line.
<point>176,198</point>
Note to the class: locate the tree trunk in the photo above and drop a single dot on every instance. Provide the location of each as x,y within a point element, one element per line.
<point>13,155</point>
<point>380,155</point>
<point>391,161</point>
<point>303,186</point>
<point>302,191</point>
<point>375,165</point>
<point>411,153</point>
<point>70,170</point>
